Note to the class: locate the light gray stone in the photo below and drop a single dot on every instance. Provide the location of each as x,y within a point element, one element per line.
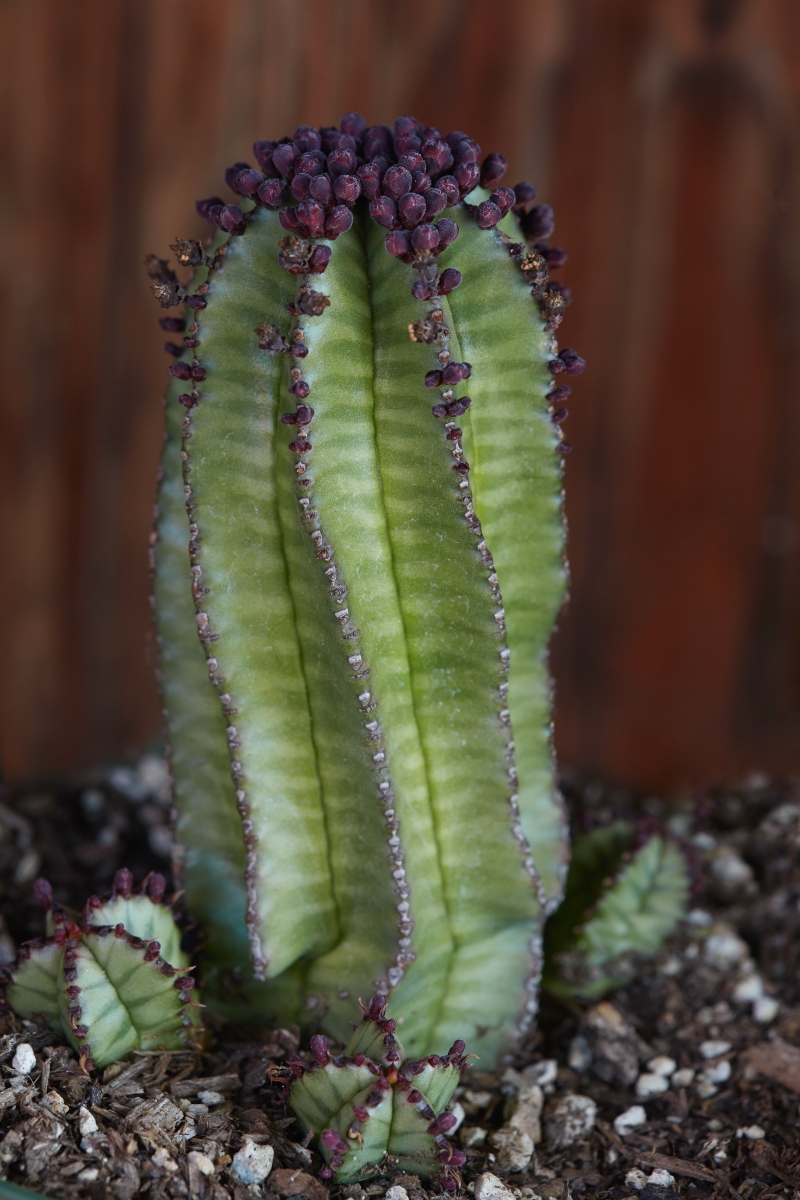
<point>569,1119</point>
<point>253,1163</point>
<point>489,1187</point>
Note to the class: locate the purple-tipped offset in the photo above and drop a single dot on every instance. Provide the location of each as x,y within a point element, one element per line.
<point>43,893</point>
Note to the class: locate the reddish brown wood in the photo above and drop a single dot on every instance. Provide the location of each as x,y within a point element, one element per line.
<point>665,132</point>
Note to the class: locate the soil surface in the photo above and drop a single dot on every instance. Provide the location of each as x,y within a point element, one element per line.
<point>684,1083</point>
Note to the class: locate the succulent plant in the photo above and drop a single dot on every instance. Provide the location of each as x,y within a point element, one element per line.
<point>113,979</point>
<point>619,908</point>
<point>360,738</point>
<point>372,1110</point>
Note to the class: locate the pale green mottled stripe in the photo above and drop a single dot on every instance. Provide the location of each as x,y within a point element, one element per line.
<point>454,652</point>
<point>347,491</point>
<point>249,606</point>
<point>511,444</point>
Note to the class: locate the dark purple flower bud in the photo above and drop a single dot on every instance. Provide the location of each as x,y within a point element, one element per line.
<point>457,408</point>
<point>300,185</point>
<point>456,372</point>
<point>330,137</point>
<point>341,162</point>
<point>156,886</point>
<point>412,162</point>
<point>377,140</point>
<point>231,219</point>
<point>231,174</point>
<point>457,1049</point>
<point>555,366</point>
<point>248,182</point>
<point>198,374</point>
<point>396,182</point>
<point>438,156</point>
<point>560,393</point>
<point>573,363</point>
<point>443,1123</point>
<point>329,1139</point>
<point>305,137</point>
<point>435,202</point>
<point>311,214</point>
<point>438,410</point>
<point>487,215</point>
<point>354,124</point>
<point>196,301</point>
<point>320,258</point>
<point>347,189</point>
<point>493,168</point>
<point>173,349</point>
<point>405,125</point>
<point>420,182</point>
<point>298,350</point>
<point>451,278</point>
<point>503,198</point>
<point>449,185</point>
<point>180,370</point>
<point>320,188</point>
<point>383,211</point>
<point>455,137</point>
<point>411,208</point>
<point>43,893</point>
<point>559,416</point>
<point>283,159</point>
<point>424,237</point>
<point>399,245</point>
<point>343,141</point>
<point>263,151</point>
<point>304,414</point>
<point>319,1048</point>
<point>433,379</point>
<point>203,207</point>
<point>538,222</point>
<point>289,219</point>
<point>466,151</point>
<point>525,194</point>
<point>409,143</point>
<point>421,289</point>
<point>556,256</point>
<point>289,419</point>
<point>312,162</point>
<point>172,324</point>
<point>213,214</point>
<point>339,220</point>
<point>300,389</point>
<point>564,448</point>
<point>466,176</point>
<point>370,175</point>
<point>187,401</point>
<point>123,884</point>
<point>448,232</point>
<point>271,193</point>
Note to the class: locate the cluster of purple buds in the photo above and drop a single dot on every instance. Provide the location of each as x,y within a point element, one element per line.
<point>408,175</point>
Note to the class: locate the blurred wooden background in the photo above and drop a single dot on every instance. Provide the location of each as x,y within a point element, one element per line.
<point>666,135</point>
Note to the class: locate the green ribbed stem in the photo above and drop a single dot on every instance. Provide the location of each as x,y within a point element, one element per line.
<point>374,626</point>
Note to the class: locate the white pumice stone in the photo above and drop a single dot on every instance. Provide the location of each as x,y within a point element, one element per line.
<point>765,1009</point>
<point>749,989</point>
<point>628,1120</point>
<point>724,950</point>
<point>714,1047</point>
<point>682,1078</point>
<point>662,1064</point>
<point>651,1085</point>
<point>753,1133</point>
<point>86,1122</point>
<point>253,1163</point>
<point>24,1059</point>
<point>489,1187</point>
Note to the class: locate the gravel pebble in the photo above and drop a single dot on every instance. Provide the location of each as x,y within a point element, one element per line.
<point>713,1048</point>
<point>86,1122</point>
<point>569,1119</point>
<point>748,989</point>
<point>724,950</point>
<point>765,1009</point>
<point>24,1059</point>
<point>489,1187</point>
<point>682,1078</point>
<point>253,1163</point>
<point>662,1065</point>
<point>651,1085</point>
<point>753,1133</point>
<point>628,1120</point>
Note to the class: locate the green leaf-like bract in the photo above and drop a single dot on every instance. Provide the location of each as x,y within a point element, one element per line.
<point>605,927</point>
<point>372,1110</point>
<point>365,785</point>
<point>114,982</point>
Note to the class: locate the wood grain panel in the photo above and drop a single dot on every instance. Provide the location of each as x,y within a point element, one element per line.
<point>665,132</point>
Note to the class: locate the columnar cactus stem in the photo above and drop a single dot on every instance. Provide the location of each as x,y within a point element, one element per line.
<point>375,579</point>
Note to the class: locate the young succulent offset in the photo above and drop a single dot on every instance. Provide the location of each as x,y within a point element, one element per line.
<point>365,786</point>
<point>113,979</point>
<point>372,1110</point>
